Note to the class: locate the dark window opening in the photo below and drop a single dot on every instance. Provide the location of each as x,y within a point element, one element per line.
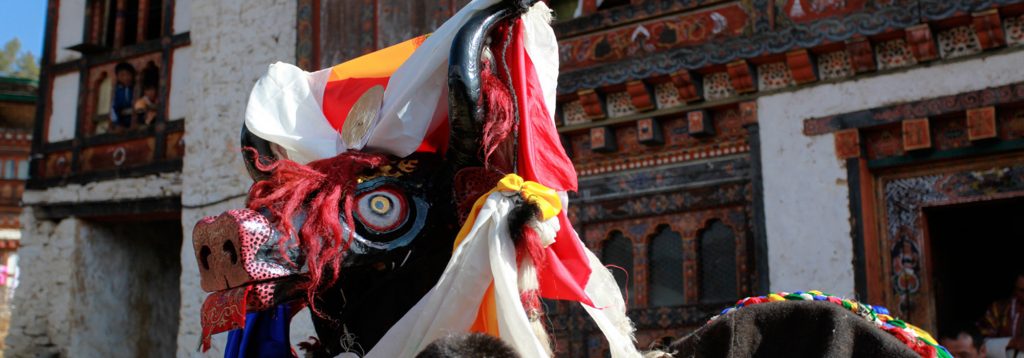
<point>130,16</point>
<point>124,23</point>
<point>976,257</point>
<point>608,4</point>
<point>617,254</point>
<point>718,264</point>
<point>666,264</point>
<point>154,19</point>
<point>109,22</point>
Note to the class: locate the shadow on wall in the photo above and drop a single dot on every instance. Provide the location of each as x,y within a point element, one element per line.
<point>127,289</point>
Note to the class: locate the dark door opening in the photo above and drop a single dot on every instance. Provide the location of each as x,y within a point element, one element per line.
<point>976,255</point>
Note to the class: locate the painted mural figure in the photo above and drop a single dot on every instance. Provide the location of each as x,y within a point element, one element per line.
<point>798,9</point>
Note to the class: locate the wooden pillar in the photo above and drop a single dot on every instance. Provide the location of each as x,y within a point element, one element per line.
<point>143,21</point>
<point>119,24</point>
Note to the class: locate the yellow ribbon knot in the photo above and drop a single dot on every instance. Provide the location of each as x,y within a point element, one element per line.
<point>546,199</point>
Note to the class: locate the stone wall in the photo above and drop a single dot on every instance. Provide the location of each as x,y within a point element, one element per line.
<point>125,289</point>
<point>41,323</point>
<point>233,42</point>
<point>90,287</point>
<point>806,191</point>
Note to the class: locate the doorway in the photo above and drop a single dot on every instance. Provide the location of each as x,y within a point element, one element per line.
<point>126,290</point>
<point>976,251</point>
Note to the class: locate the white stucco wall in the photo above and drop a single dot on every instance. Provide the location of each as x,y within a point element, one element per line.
<point>61,122</point>
<point>182,16</point>
<point>233,43</point>
<point>181,68</point>
<point>69,29</point>
<point>806,194</point>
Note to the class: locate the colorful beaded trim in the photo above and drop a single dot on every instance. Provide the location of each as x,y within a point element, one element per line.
<point>914,337</point>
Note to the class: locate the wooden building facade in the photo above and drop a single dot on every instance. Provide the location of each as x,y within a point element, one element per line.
<point>76,139</point>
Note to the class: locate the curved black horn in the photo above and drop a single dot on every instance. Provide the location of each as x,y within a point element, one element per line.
<point>263,152</point>
<point>465,109</point>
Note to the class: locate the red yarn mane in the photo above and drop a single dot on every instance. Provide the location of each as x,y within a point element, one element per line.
<point>324,185</point>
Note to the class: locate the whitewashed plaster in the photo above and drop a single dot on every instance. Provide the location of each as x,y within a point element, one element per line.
<point>64,111</point>
<point>182,16</point>
<point>69,29</point>
<point>181,68</point>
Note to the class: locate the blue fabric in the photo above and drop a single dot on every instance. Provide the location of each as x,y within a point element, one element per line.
<point>265,335</point>
<point>122,100</point>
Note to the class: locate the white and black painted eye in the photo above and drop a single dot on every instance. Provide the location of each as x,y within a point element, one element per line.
<point>382,210</point>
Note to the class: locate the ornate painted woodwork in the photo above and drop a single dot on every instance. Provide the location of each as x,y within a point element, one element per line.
<point>916,134</point>
<point>1002,95</point>
<point>903,195</point>
<point>93,153</point>
<point>648,131</point>
<point>802,66</point>
<point>981,123</point>
<point>847,143</point>
<point>595,56</point>
<point>655,36</point>
<point>905,158</point>
<point>602,140</point>
<point>743,76</point>
<point>921,43</point>
<point>989,29</point>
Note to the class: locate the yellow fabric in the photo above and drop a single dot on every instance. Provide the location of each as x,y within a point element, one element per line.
<point>376,64</point>
<point>545,198</point>
<point>549,203</point>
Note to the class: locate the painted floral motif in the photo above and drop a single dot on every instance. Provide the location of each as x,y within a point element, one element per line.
<point>573,113</point>
<point>666,95</point>
<point>774,76</point>
<point>620,104</point>
<point>834,65</point>
<point>894,54</point>
<point>718,86</point>
<point>1014,28</point>
<point>957,42</point>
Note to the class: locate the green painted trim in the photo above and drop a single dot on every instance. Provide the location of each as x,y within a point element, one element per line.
<point>20,81</point>
<point>18,98</point>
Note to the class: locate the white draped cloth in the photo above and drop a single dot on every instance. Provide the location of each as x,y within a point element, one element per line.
<point>488,255</point>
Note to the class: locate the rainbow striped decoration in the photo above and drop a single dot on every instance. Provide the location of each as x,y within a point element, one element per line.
<point>914,337</point>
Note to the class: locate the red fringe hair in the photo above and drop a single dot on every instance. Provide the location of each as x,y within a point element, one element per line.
<point>324,185</point>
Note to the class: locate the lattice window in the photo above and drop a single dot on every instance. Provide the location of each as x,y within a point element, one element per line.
<point>124,23</point>
<point>617,251</point>
<point>665,283</point>
<point>718,263</point>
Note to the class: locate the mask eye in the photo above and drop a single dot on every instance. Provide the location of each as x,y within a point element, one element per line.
<point>382,210</point>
